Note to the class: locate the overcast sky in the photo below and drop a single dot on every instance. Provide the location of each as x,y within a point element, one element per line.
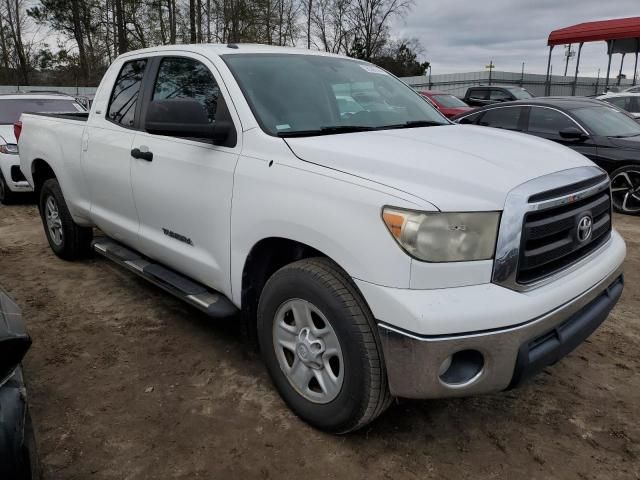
<point>464,35</point>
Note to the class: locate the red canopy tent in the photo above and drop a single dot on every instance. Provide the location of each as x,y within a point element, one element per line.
<point>622,36</point>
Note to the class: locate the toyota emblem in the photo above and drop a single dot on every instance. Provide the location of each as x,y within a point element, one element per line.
<point>585,228</point>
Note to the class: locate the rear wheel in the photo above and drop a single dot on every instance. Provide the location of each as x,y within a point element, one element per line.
<point>6,196</point>
<point>320,346</point>
<point>625,190</point>
<point>67,240</point>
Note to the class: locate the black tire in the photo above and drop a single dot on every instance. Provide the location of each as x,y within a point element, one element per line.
<point>625,183</point>
<point>364,393</point>
<point>74,241</point>
<point>7,197</point>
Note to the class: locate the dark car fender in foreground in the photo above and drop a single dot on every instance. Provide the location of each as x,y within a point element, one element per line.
<point>18,458</point>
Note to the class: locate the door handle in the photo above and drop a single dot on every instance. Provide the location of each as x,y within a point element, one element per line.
<point>137,153</point>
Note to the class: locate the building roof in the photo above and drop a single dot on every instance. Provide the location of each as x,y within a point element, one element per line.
<point>625,31</point>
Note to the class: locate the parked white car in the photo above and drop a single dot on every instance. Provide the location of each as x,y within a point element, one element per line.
<point>627,101</point>
<point>387,252</point>
<point>12,181</point>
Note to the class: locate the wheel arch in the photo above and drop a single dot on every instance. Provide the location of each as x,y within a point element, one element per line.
<point>41,171</point>
<point>266,257</point>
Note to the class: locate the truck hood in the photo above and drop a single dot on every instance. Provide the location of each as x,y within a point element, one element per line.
<point>454,167</point>
<point>6,134</point>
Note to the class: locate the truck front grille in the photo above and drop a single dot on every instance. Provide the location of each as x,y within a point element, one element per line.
<point>553,238</point>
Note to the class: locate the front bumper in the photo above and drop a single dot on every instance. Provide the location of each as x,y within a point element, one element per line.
<point>15,180</point>
<point>501,358</point>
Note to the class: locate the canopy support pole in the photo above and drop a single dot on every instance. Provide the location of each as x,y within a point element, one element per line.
<point>635,67</point>
<point>575,77</point>
<point>547,86</point>
<point>610,44</point>
<point>620,73</point>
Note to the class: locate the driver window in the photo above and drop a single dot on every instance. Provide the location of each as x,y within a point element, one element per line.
<point>185,78</point>
<point>547,121</point>
<point>499,95</point>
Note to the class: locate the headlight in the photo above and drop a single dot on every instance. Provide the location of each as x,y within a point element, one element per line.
<point>444,237</point>
<point>11,148</point>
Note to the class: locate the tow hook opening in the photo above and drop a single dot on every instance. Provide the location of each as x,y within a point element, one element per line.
<point>461,368</point>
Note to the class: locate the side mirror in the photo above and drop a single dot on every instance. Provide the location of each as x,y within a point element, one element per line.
<point>572,133</point>
<point>189,119</point>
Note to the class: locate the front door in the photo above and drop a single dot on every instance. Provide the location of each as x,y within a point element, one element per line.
<point>547,122</point>
<point>183,193</point>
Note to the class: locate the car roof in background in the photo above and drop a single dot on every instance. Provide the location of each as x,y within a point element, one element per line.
<point>619,94</point>
<point>435,92</point>
<point>508,87</point>
<point>36,96</point>
<point>566,103</point>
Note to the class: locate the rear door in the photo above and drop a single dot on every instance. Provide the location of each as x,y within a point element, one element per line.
<point>547,122</point>
<point>507,118</point>
<point>107,153</point>
<point>183,195</point>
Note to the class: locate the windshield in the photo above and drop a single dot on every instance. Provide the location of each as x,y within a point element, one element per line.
<point>520,93</point>
<point>296,95</point>
<point>607,122</point>
<point>449,101</point>
<point>12,108</point>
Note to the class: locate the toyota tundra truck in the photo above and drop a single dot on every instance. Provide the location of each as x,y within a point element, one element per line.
<point>373,248</point>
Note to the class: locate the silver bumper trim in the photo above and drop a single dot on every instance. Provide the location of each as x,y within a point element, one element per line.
<point>413,362</point>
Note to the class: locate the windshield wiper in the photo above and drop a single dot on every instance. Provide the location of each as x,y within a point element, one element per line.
<point>415,124</point>
<point>326,131</point>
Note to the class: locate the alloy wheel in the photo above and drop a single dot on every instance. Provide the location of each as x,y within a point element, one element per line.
<point>54,223</point>
<point>625,190</point>
<point>308,351</point>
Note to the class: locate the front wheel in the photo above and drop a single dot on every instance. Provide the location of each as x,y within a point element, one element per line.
<point>319,343</point>
<point>6,195</point>
<point>625,190</point>
<point>67,240</point>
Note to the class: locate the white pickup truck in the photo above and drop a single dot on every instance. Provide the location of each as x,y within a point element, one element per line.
<point>375,249</point>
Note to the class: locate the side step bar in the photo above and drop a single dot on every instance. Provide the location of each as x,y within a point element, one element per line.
<point>209,301</point>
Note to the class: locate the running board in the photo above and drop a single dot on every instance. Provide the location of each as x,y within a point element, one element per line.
<point>209,301</point>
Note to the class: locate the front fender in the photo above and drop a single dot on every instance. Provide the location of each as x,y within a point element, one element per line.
<point>339,218</point>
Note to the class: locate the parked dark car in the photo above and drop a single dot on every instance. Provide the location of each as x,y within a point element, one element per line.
<point>18,459</point>
<point>489,95</point>
<point>601,132</point>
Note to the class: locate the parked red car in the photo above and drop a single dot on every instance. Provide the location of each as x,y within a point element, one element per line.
<point>446,103</point>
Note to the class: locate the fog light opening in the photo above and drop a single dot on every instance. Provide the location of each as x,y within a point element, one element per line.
<point>461,368</point>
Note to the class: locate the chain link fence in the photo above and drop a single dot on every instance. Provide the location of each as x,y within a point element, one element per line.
<point>458,83</point>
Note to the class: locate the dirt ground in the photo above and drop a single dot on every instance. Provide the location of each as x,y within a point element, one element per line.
<point>126,382</point>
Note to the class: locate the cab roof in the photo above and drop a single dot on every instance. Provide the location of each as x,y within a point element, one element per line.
<point>230,49</point>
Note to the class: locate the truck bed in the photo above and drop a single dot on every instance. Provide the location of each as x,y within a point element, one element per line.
<point>77,116</point>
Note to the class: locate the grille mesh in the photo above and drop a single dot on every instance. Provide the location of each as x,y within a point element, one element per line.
<point>550,237</point>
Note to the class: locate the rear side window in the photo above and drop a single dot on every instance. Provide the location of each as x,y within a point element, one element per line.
<point>545,120</point>
<point>620,102</point>
<point>479,93</point>
<point>500,95</point>
<point>185,78</point>
<point>470,119</point>
<point>508,118</point>
<point>122,105</point>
